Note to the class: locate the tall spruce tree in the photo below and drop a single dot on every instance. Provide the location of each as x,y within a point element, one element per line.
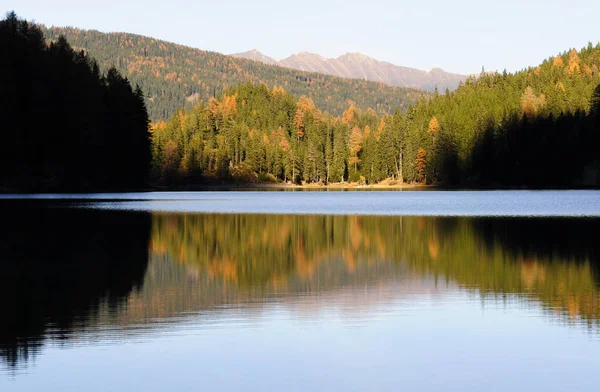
<point>65,127</point>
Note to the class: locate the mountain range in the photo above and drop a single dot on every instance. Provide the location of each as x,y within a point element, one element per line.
<point>360,66</point>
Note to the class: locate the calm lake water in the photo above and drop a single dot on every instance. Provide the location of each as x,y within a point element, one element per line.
<point>297,291</point>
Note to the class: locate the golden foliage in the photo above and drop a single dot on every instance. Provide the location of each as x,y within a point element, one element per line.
<point>349,115</point>
<point>558,62</point>
<point>226,108</point>
<point>229,105</point>
<point>573,62</point>
<point>278,90</point>
<point>530,103</point>
<point>213,107</point>
<point>279,137</point>
<point>305,105</point>
<point>367,131</point>
<point>353,160</point>
<point>434,126</point>
<point>158,126</point>
<point>181,117</point>
<point>356,141</point>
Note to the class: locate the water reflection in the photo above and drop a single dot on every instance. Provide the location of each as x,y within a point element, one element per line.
<point>59,267</point>
<point>68,270</point>
<point>553,261</point>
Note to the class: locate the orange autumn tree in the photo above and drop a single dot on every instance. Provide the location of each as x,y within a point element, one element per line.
<point>573,62</point>
<point>356,144</point>
<point>531,104</point>
<point>349,116</point>
<point>434,127</point>
<point>305,106</point>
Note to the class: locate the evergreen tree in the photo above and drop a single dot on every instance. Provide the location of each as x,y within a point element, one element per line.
<point>64,125</point>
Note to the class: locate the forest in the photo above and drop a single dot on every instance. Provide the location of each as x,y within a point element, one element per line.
<point>173,76</point>
<point>536,128</point>
<point>68,126</point>
<point>65,125</point>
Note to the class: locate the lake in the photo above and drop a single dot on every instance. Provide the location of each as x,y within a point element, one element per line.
<point>297,291</point>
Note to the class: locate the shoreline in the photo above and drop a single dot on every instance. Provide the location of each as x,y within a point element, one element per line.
<point>346,186</point>
<point>286,186</point>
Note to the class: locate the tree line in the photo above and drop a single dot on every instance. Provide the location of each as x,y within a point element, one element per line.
<point>65,125</point>
<point>538,127</point>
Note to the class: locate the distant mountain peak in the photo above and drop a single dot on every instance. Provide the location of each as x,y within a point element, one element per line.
<point>356,55</point>
<point>256,55</point>
<point>356,65</point>
<point>304,53</point>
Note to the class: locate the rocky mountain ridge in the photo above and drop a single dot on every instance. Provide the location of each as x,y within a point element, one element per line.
<point>361,66</point>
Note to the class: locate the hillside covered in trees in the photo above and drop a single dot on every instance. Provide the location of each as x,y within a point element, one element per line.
<point>66,126</point>
<point>538,127</point>
<point>173,76</point>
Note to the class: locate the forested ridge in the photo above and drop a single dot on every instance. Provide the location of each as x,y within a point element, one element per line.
<point>65,125</point>
<point>174,76</point>
<point>538,127</point>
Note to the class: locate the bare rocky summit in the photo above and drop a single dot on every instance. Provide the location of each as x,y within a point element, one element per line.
<point>360,66</point>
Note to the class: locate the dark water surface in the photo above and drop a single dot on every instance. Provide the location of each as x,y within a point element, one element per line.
<point>296,291</point>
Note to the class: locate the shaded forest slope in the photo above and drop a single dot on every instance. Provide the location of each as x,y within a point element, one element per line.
<point>174,76</point>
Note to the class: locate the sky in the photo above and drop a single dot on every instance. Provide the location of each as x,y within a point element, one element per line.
<point>458,36</point>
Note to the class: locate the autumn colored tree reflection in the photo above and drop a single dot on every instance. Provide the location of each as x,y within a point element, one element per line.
<point>488,256</point>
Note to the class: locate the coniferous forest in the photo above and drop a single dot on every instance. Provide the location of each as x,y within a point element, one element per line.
<point>174,76</point>
<point>535,128</point>
<point>66,126</point>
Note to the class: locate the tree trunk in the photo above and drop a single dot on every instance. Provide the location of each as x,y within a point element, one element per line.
<point>400,175</point>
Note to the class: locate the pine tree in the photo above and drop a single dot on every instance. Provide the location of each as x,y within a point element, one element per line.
<point>421,165</point>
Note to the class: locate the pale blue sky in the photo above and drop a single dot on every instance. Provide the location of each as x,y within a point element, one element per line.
<point>458,36</point>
